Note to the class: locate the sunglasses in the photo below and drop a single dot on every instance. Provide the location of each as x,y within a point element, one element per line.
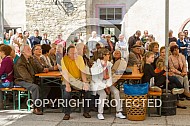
<point>107,54</point>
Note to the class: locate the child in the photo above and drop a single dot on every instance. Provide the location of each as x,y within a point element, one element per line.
<point>174,84</point>
<point>148,70</point>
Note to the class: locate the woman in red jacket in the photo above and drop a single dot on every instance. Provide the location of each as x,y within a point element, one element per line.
<point>6,68</point>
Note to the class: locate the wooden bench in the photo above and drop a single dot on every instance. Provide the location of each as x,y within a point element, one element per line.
<point>15,90</point>
<point>6,90</point>
<point>19,90</point>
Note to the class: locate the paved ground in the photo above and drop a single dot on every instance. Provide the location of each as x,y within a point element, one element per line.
<point>24,118</point>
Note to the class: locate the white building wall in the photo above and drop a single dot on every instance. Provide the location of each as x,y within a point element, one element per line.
<point>146,15</point>
<point>14,13</point>
<point>150,15</point>
<point>179,13</point>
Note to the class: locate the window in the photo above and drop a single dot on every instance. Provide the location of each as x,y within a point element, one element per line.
<point>110,31</point>
<point>13,29</point>
<point>110,13</point>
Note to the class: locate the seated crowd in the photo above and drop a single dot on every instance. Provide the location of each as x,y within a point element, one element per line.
<point>89,68</point>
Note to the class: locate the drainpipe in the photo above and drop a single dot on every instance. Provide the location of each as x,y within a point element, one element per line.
<point>1,20</point>
<point>166,40</point>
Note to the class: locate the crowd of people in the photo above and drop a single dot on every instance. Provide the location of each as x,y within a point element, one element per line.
<point>90,67</point>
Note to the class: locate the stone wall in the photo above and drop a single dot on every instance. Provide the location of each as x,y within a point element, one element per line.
<point>48,17</point>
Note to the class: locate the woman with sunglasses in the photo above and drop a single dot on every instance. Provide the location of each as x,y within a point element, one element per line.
<point>101,83</point>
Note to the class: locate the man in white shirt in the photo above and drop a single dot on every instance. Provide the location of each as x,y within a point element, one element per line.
<point>28,41</point>
<point>122,45</point>
<point>17,40</point>
<point>92,41</point>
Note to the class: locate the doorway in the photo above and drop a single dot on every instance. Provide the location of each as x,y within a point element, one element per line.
<point>114,31</point>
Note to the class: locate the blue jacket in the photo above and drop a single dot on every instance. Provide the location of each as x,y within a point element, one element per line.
<point>181,44</point>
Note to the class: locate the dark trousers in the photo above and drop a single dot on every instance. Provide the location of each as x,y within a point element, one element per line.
<point>67,97</point>
<point>174,83</point>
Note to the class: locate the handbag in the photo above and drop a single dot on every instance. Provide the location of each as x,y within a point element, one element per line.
<point>128,71</point>
<point>5,75</point>
<point>136,89</point>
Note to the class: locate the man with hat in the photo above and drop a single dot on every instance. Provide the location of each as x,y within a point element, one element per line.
<point>135,56</point>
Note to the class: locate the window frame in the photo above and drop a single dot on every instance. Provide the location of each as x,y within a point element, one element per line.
<point>123,11</point>
<point>114,14</point>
